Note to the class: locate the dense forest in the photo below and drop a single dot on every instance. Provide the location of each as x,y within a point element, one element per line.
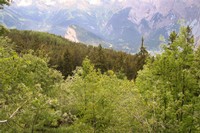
<point>48,84</point>
<point>65,56</point>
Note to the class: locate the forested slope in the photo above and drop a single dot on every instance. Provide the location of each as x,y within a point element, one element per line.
<point>65,56</point>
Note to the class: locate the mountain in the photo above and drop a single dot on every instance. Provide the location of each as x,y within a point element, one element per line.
<point>78,34</point>
<point>122,31</point>
<point>116,23</point>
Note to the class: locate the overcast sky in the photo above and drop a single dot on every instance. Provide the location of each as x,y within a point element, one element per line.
<point>70,2</point>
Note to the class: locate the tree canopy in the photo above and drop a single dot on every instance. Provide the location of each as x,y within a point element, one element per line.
<point>170,87</point>
<point>4,2</point>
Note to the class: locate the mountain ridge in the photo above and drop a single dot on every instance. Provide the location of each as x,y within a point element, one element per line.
<point>117,22</point>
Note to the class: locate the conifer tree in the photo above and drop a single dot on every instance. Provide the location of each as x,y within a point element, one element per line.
<point>143,50</point>
<point>100,61</point>
<point>142,56</point>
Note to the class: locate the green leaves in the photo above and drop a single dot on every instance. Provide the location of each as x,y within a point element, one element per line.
<point>27,88</point>
<point>102,102</point>
<point>169,82</point>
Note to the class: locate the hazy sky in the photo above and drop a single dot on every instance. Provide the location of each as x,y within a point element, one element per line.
<point>69,2</point>
<point>97,2</point>
<point>140,8</point>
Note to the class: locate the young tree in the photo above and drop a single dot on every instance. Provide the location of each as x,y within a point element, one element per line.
<point>168,86</point>
<point>103,102</point>
<point>27,91</point>
<point>142,56</point>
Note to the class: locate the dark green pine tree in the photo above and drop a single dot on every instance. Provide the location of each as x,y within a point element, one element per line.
<point>100,59</point>
<point>141,56</point>
<point>143,50</point>
<point>67,64</point>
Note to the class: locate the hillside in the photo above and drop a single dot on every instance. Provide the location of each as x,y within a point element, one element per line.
<point>65,55</point>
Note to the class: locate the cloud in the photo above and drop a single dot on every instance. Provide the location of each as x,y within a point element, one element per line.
<point>24,2</point>
<point>50,2</point>
<point>95,2</point>
<point>83,4</point>
<point>67,3</point>
<point>121,0</point>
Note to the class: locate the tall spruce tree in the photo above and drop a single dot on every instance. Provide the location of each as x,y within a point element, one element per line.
<point>142,56</point>
<point>143,50</point>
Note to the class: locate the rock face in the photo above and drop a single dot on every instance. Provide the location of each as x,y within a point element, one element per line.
<point>71,34</point>
<point>116,23</point>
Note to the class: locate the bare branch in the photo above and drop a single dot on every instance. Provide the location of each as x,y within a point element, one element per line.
<point>14,113</point>
<point>3,121</point>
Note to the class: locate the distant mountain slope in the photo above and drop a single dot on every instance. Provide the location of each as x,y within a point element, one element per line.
<point>121,23</point>
<point>121,31</point>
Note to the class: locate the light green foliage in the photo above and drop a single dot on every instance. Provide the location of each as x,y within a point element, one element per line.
<point>196,68</point>
<point>102,102</point>
<point>34,97</point>
<point>169,87</point>
<point>27,89</point>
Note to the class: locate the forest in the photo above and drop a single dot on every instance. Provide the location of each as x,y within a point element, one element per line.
<point>49,84</point>
<point>45,89</point>
<point>65,56</point>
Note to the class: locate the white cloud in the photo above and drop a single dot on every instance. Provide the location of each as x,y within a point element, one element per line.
<point>121,0</point>
<point>95,2</point>
<point>67,2</point>
<point>82,4</point>
<point>23,2</point>
<point>50,2</point>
